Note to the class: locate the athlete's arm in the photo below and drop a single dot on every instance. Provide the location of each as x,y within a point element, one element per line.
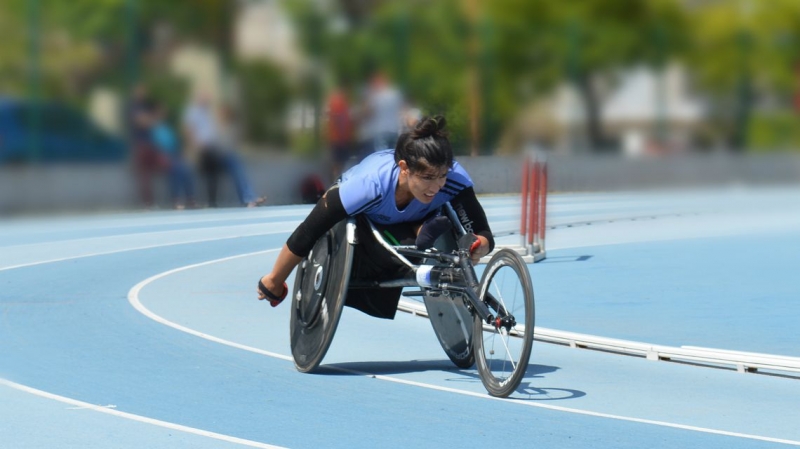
<point>328,211</point>
<point>473,218</point>
<point>324,216</point>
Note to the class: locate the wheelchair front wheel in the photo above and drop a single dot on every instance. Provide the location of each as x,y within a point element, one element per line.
<point>502,350</point>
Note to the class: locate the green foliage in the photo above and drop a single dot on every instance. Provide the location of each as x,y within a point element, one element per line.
<point>84,42</point>
<point>171,92</point>
<point>265,99</point>
<point>435,66</point>
<point>741,49</point>
<point>732,37</point>
<point>302,144</point>
<point>519,50</point>
<point>774,132</point>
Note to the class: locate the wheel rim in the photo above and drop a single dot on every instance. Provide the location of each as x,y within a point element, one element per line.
<point>319,295</point>
<point>315,268</point>
<point>505,350</point>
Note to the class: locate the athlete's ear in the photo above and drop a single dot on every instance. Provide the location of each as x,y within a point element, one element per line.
<point>402,164</point>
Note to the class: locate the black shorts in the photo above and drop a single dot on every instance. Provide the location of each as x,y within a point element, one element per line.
<point>372,262</point>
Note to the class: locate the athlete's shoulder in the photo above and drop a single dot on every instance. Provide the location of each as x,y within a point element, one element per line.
<point>364,186</point>
<point>457,178</point>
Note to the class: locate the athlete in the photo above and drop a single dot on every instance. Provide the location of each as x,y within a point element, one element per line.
<point>401,191</point>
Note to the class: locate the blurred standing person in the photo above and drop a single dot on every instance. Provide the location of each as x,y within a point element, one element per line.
<point>411,116</point>
<point>147,161</point>
<point>363,141</point>
<point>228,142</point>
<point>340,132</point>
<point>178,171</point>
<point>383,112</point>
<point>201,133</point>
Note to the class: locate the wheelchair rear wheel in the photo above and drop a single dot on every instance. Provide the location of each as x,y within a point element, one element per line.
<point>319,294</point>
<point>502,350</point>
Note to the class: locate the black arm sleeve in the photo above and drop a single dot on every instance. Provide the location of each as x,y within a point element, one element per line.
<point>328,211</point>
<point>471,214</point>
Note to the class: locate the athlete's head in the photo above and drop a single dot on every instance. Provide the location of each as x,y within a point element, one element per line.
<point>425,156</point>
<point>425,146</point>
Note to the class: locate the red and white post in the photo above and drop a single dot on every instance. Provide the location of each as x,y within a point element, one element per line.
<point>534,205</point>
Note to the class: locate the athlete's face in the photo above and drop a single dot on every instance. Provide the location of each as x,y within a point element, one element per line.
<point>425,184</point>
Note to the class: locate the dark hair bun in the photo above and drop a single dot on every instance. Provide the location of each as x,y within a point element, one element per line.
<point>429,127</point>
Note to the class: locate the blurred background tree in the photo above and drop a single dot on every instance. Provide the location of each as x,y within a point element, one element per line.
<point>745,53</point>
<point>481,63</point>
<point>86,43</point>
<point>523,50</point>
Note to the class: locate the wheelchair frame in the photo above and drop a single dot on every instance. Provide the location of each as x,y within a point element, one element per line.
<point>441,274</point>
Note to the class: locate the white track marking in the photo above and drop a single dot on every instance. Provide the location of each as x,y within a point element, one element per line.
<point>136,248</point>
<point>133,298</point>
<point>287,226</point>
<point>573,410</point>
<point>106,409</point>
<point>92,407</point>
<point>153,221</point>
<point>134,294</point>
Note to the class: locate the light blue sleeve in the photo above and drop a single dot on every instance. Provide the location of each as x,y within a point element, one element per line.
<point>360,194</point>
<point>461,175</point>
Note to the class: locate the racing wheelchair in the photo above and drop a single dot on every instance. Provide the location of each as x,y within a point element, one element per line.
<point>488,323</point>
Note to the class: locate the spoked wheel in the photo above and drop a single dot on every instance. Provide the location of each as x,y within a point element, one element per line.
<point>502,349</point>
<point>319,294</point>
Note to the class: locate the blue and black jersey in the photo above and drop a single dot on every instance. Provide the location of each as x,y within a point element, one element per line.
<point>369,189</point>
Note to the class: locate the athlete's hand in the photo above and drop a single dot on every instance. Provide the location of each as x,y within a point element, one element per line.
<point>264,292</point>
<point>479,249</point>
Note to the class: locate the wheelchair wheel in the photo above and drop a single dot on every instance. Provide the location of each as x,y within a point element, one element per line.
<point>502,353</point>
<point>319,293</point>
<point>450,318</point>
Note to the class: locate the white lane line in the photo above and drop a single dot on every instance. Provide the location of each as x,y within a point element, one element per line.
<point>576,411</point>
<point>105,409</point>
<point>137,248</point>
<point>34,226</point>
<point>133,298</point>
<point>288,226</point>
<point>92,407</point>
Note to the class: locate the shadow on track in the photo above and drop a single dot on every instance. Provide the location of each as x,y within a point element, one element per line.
<point>526,390</point>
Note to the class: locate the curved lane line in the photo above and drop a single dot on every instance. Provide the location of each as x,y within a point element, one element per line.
<point>95,226</point>
<point>139,418</point>
<point>133,298</point>
<point>144,419</point>
<point>137,248</point>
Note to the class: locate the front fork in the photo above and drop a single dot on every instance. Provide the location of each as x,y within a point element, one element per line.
<point>503,318</point>
<point>472,287</point>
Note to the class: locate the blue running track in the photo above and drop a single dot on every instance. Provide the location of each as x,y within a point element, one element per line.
<point>143,330</point>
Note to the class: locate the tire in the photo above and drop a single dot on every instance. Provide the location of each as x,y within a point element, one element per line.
<point>450,318</point>
<point>318,298</point>
<point>501,356</point>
